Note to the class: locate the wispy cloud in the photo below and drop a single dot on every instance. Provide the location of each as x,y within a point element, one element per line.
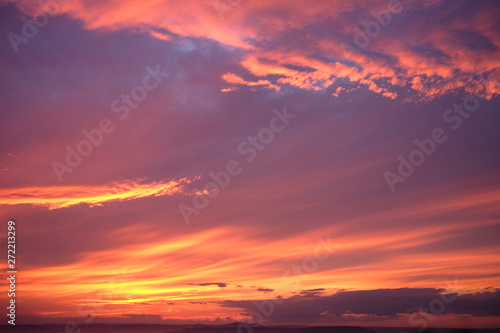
<point>218,284</point>
<point>54,197</point>
<point>235,79</point>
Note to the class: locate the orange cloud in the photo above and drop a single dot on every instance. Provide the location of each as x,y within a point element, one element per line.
<point>161,36</point>
<point>229,89</point>
<point>55,197</point>
<point>235,79</point>
<point>428,60</point>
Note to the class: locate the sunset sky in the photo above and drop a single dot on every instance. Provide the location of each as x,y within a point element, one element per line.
<point>316,162</point>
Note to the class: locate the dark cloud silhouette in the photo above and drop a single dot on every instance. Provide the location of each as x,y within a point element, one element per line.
<point>312,292</point>
<point>218,284</point>
<point>266,290</point>
<point>308,306</point>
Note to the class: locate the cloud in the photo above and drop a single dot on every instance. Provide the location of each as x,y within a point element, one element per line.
<point>55,197</point>
<point>325,170</point>
<point>229,89</point>
<point>235,79</point>
<point>312,292</point>
<point>312,47</point>
<point>218,284</point>
<point>266,290</point>
<point>379,303</point>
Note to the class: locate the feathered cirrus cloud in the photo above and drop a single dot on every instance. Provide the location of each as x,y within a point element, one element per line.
<point>55,197</point>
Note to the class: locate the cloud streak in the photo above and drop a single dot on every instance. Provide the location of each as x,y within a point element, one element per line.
<point>56,197</point>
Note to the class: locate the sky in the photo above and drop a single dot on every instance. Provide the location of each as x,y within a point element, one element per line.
<point>272,161</point>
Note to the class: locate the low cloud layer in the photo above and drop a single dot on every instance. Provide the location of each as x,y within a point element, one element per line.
<point>308,307</point>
